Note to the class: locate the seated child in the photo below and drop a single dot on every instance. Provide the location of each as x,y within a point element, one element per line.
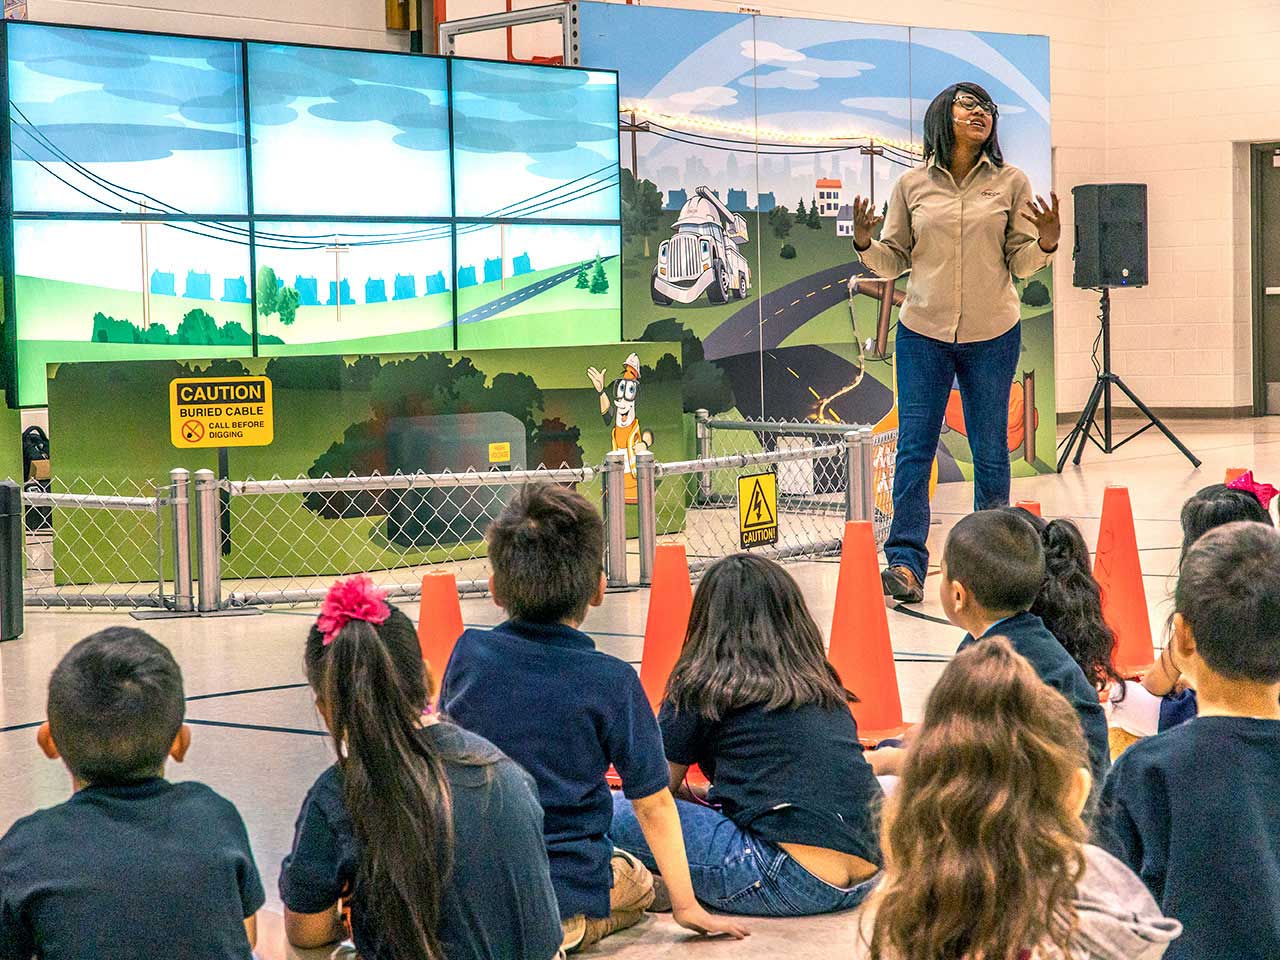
<point>1164,699</point>
<point>537,688</point>
<point>791,825</point>
<point>1195,811</point>
<point>986,852</point>
<point>1070,602</point>
<point>432,836</point>
<point>992,570</point>
<point>132,867</point>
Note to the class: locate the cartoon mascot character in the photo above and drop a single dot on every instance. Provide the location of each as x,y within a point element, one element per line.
<point>628,438</point>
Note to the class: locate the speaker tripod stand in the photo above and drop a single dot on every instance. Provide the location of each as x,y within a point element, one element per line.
<point>1087,429</point>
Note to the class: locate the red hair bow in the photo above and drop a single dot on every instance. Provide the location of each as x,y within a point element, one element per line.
<point>352,599</point>
<point>1265,492</point>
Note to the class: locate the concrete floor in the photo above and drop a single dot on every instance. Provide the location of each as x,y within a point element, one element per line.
<point>259,741</point>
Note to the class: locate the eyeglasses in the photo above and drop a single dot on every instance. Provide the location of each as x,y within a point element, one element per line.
<point>971,103</point>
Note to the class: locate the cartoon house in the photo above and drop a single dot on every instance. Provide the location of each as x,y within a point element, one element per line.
<point>844,221</point>
<point>829,196</point>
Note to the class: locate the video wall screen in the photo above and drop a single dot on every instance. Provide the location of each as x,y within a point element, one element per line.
<point>189,197</point>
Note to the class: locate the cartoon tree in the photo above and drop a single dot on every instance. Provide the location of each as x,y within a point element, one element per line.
<point>781,221</point>
<point>706,386</point>
<point>287,305</point>
<point>801,215</point>
<point>814,222</point>
<point>584,282</point>
<point>641,208</point>
<point>599,282</point>
<point>268,291</point>
<point>1036,294</point>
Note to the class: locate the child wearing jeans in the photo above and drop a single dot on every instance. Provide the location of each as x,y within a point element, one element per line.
<point>987,855</point>
<point>1195,811</point>
<point>431,836</point>
<point>536,687</point>
<point>789,825</point>
<point>132,867</point>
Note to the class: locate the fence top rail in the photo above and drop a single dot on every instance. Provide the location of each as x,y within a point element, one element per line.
<point>676,468</point>
<point>407,481</point>
<point>89,501</point>
<point>788,426</point>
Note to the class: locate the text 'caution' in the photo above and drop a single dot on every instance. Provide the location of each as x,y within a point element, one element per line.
<point>221,412</point>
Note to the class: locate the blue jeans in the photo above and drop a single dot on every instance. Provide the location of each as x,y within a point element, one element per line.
<point>926,370</point>
<point>733,870</point>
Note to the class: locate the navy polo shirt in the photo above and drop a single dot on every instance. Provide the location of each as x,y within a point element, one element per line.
<point>129,872</point>
<point>1195,812</point>
<point>564,711</point>
<point>1030,637</point>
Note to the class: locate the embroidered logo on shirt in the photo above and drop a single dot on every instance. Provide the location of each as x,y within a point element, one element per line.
<point>990,193</point>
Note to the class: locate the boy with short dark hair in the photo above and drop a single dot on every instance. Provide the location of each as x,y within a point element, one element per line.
<point>132,867</point>
<point>537,688</point>
<point>1195,811</point>
<point>992,570</point>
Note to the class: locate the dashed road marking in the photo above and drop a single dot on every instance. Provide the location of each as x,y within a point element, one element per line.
<point>794,302</point>
<point>828,286</point>
<point>810,294</point>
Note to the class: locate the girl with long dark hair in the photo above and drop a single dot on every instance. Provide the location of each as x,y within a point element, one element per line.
<point>964,224</point>
<point>986,854</point>
<point>430,834</point>
<point>788,827</point>
<point>1070,602</point>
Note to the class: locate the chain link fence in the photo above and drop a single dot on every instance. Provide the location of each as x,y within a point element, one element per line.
<point>96,543</point>
<point>200,544</point>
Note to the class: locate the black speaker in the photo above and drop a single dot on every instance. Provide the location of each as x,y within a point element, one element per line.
<point>1111,235</point>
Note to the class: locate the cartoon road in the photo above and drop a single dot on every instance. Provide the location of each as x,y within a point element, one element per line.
<point>524,293</point>
<point>784,310</point>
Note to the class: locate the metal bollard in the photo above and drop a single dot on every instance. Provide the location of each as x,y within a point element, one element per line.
<point>702,420</point>
<point>208,541</point>
<point>867,451</point>
<point>646,514</point>
<point>615,518</point>
<point>180,500</point>
<point>11,534</point>
<point>853,476</point>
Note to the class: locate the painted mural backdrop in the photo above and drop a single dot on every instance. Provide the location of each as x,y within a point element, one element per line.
<point>744,140</point>
<point>178,197</point>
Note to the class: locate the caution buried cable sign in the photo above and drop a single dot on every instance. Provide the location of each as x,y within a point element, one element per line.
<point>221,412</point>
<point>758,510</point>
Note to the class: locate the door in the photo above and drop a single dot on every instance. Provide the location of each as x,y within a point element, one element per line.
<point>1266,277</point>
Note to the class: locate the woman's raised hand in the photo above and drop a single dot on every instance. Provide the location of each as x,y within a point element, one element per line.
<point>864,222</point>
<point>1046,218</point>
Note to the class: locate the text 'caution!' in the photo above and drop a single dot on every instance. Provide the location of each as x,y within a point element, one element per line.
<point>758,510</point>
<point>221,412</point>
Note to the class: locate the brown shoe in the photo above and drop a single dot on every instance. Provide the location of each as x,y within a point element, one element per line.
<point>901,584</point>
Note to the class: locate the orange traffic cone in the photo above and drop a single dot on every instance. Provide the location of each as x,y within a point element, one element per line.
<point>1234,473</point>
<point>1117,569</point>
<point>439,622</point>
<point>860,648</point>
<point>670,600</point>
<point>1031,506</point>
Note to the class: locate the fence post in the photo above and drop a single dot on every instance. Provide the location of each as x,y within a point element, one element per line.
<point>180,500</point>
<point>646,514</point>
<point>853,475</point>
<point>209,541</point>
<point>615,517</point>
<point>867,453</point>
<point>702,419</point>
<point>12,522</point>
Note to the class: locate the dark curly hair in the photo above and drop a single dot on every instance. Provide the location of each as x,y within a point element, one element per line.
<point>1070,601</point>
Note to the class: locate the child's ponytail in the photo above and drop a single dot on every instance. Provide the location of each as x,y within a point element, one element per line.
<point>366,667</point>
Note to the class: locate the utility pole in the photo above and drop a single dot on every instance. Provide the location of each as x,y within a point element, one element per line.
<point>337,249</point>
<point>146,264</point>
<point>872,151</point>
<point>633,127</point>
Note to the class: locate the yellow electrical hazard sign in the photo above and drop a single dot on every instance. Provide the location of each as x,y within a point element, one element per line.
<point>500,453</point>
<point>221,412</point>
<point>758,510</point>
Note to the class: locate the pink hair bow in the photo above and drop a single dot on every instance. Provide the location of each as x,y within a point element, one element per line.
<point>353,599</point>
<point>1265,492</point>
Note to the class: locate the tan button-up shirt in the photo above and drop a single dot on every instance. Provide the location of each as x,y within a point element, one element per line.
<point>963,245</point>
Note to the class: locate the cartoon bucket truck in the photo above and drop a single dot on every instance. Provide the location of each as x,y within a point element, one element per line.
<point>702,256</point>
